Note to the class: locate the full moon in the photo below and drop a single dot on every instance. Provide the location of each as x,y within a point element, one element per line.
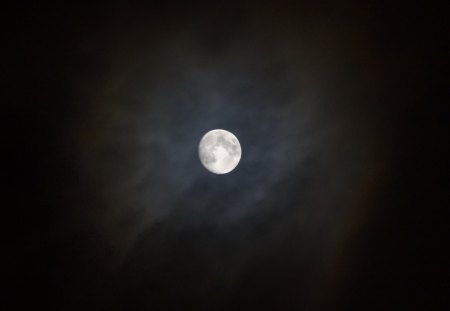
<point>219,151</point>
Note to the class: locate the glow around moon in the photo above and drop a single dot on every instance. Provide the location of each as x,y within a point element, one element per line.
<point>219,151</point>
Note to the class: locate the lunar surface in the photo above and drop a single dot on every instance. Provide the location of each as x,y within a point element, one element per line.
<point>219,151</point>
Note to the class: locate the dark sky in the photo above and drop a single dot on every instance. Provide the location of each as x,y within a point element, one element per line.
<point>339,108</point>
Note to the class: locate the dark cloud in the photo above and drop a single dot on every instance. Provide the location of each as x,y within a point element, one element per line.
<point>323,100</point>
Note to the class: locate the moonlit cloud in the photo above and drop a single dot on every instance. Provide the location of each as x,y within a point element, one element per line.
<point>329,207</point>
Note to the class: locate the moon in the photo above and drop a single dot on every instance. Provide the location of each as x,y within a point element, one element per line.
<point>219,151</point>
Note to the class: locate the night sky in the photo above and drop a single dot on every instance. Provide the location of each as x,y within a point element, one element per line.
<point>341,113</point>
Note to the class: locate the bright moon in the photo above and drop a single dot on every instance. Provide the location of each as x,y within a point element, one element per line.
<point>219,151</point>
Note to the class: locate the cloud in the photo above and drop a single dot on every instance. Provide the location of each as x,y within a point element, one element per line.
<point>306,165</point>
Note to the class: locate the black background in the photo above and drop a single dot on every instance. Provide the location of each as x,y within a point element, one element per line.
<point>336,204</point>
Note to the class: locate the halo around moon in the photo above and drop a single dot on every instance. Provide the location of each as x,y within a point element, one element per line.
<point>219,151</point>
